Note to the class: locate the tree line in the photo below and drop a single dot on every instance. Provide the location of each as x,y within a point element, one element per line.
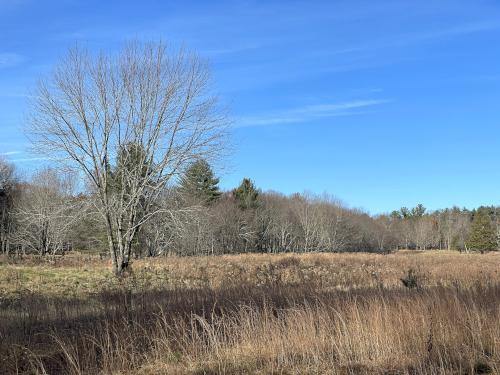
<point>137,132</point>
<point>194,217</point>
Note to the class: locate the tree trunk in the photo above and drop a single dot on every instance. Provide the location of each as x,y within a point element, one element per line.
<point>120,254</point>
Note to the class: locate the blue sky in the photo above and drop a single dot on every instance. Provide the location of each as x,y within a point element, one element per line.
<point>382,104</point>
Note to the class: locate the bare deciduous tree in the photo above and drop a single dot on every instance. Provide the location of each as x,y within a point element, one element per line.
<point>309,221</point>
<point>45,212</point>
<point>131,123</point>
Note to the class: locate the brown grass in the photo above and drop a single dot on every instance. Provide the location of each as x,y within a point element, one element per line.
<point>262,314</point>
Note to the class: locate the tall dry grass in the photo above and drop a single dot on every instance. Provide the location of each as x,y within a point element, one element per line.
<point>449,324</point>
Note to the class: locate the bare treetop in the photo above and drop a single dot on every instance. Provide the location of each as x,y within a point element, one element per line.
<point>94,105</point>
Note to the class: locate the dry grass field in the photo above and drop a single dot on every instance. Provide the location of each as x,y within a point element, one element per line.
<point>402,313</point>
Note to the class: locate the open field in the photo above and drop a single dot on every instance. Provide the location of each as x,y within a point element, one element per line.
<point>307,313</point>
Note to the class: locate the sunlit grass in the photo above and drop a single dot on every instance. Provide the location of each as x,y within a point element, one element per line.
<point>288,313</point>
<point>331,271</point>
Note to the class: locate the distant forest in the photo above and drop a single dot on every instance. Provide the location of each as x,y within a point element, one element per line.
<point>139,131</point>
<point>193,217</point>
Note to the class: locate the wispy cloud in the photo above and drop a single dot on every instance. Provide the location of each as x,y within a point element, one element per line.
<point>449,32</point>
<point>30,159</point>
<point>416,38</point>
<point>309,113</point>
<point>232,49</point>
<point>14,95</point>
<point>10,59</point>
<point>10,153</point>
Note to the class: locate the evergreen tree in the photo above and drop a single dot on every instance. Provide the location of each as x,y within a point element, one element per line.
<point>199,183</point>
<point>246,194</point>
<point>405,212</point>
<point>129,168</point>
<point>418,211</point>
<point>482,235</point>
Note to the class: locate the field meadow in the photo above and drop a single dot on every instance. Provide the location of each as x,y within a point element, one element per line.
<point>409,312</point>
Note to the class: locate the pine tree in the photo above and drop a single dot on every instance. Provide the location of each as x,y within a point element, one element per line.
<point>199,183</point>
<point>482,235</point>
<point>129,167</point>
<point>418,211</point>
<point>246,194</point>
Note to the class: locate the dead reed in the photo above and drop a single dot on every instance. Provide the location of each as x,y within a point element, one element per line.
<point>275,317</point>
